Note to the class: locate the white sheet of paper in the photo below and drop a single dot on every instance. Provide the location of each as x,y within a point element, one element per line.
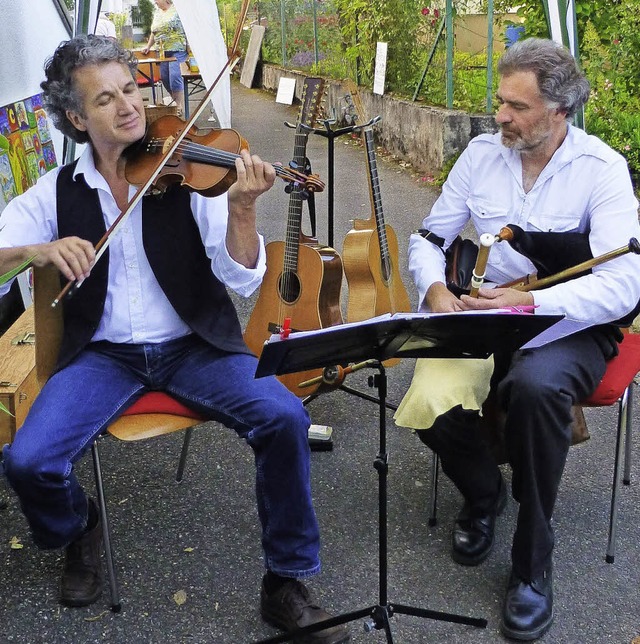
<point>381,68</point>
<point>286,91</point>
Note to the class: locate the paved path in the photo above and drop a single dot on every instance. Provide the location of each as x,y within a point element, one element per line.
<point>201,536</point>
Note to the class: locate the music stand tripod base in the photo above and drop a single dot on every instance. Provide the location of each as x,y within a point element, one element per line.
<point>377,340</point>
<point>378,615</point>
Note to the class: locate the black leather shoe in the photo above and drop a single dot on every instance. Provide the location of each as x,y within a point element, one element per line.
<point>290,607</point>
<point>81,583</point>
<point>473,533</point>
<point>528,607</point>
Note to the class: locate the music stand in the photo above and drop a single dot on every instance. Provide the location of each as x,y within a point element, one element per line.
<point>456,335</point>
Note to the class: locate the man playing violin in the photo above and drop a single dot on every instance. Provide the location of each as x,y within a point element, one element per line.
<point>542,174</point>
<point>152,314</point>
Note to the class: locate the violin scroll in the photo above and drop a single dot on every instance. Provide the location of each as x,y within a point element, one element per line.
<point>308,182</point>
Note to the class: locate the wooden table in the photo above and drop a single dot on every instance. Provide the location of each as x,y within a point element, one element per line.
<point>150,76</point>
<point>197,86</point>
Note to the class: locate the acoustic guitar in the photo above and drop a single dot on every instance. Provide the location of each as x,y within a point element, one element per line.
<point>303,280</point>
<point>370,249</point>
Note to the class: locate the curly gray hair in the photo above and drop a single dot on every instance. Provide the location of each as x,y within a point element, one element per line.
<point>59,91</point>
<point>560,80</point>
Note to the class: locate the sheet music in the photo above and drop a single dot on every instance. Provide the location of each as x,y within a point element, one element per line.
<point>391,316</point>
<point>560,329</point>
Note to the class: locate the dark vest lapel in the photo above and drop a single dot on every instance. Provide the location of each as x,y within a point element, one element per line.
<point>177,257</point>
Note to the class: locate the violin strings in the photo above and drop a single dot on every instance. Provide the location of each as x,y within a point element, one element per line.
<point>214,156</point>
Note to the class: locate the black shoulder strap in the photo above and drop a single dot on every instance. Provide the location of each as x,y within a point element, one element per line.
<point>429,236</point>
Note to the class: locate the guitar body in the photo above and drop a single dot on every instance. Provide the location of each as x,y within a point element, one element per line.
<point>311,299</point>
<point>371,293</point>
<point>370,249</point>
<point>303,279</point>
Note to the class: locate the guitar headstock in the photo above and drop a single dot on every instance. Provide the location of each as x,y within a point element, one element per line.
<point>311,110</point>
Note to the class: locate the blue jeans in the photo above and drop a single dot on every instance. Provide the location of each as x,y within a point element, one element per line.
<point>78,403</point>
<point>170,72</point>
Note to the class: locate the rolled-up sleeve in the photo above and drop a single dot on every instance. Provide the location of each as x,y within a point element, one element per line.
<point>30,218</point>
<point>211,215</point>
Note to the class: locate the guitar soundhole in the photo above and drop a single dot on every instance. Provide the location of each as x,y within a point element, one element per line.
<point>386,269</point>
<point>289,287</point>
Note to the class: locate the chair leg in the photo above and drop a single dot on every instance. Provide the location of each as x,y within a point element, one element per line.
<point>617,471</point>
<point>433,492</point>
<point>626,478</point>
<point>106,532</point>
<point>183,453</point>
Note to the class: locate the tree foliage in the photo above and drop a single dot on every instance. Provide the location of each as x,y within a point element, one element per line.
<point>146,9</point>
<point>363,23</point>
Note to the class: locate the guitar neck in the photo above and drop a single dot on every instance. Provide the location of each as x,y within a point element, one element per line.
<point>294,215</point>
<point>376,202</point>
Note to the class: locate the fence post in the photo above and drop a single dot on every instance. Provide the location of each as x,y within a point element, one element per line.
<point>283,34</point>
<point>489,55</point>
<point>315,31</point>
<point>449,63</point>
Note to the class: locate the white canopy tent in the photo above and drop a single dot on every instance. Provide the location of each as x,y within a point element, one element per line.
<point>202,26</point>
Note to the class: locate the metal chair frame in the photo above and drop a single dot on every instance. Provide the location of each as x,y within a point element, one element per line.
<point>180,422</point>
<point>620,474</point>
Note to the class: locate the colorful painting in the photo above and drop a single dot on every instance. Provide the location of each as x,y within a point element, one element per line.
<point>18,161</point>
<point>21,113</point>
<point>4,122</point>
<point>31,117</point>
<point>32,167</point>
<point>7,183</point>
<point>27,141</point>
<point>49,156</point>
<point>36,102</point>
<point>26,149</point>
<point>12,117</point>
<point>43,125</point>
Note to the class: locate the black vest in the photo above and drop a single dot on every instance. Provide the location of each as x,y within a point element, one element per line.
<point>175,252</point>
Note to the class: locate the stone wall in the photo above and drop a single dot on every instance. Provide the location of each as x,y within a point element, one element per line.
<point>424,136</point>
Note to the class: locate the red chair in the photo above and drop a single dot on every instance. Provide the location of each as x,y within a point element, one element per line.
<point>615,386</point>
<point>154,414</point>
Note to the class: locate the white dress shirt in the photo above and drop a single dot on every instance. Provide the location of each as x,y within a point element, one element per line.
<point>136,309</point>
<point>584,188</point>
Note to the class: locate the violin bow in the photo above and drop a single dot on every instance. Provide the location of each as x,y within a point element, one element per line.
<point>73,285</point>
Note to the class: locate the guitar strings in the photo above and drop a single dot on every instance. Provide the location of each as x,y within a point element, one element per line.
<point>376,200</point>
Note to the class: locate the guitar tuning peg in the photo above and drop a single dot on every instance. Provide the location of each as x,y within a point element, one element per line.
<point>288,188</point>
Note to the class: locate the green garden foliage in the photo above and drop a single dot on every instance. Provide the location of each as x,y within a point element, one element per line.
<point>343,45</point>
<point>146,9</point>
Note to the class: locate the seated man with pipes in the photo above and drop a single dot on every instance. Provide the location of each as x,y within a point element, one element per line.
<point>542,174</point>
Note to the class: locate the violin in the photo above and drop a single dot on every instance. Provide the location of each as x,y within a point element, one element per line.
<point>204,163</point>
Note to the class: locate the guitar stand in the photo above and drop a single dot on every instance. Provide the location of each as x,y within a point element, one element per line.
<point>377,616</point>
<point>331,135</point>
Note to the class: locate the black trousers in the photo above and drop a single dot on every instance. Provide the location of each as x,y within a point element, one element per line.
<point>536,389</point>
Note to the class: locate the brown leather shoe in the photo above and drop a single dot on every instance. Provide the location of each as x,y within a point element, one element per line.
<point>290,607</point>
<point>81,583</point>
